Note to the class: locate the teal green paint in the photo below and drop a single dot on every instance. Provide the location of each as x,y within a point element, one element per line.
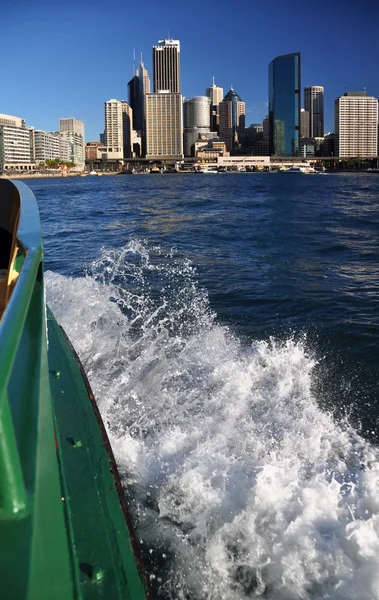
<point>63,533</point>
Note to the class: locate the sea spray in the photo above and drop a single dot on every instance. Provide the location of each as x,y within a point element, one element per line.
<point>240,486</point>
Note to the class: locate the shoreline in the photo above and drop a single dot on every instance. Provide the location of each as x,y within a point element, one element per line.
<point>49,175</point>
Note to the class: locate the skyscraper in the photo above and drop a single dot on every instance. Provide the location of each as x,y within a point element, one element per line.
<point>166,66</point>
<point>314,104</point>
<point>164,108</point>
<point>356,125</point>
<point>196,117</point>
<point>139,85</point>
<point>284,105</point>
<point>216,95</point>
<point>232,121</point>
<point>164,126</point>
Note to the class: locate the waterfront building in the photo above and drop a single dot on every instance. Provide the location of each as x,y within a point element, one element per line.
<point>284,105</point>
<point>314,105</point>
<point>328,145</point>
<point>118,128</point>
<point>304,123</point>
<point>16,144</point>
<point>307,147</point>
<point>196,120</point>
<point>356,125</point>
<point>50,145</point>
<point>164,125</point>
<point>232,121</point>
<point>91,149</point>
<point>209,151</point>
<point>166,66</point>
<point>216,95</point>
<point>73,130</point>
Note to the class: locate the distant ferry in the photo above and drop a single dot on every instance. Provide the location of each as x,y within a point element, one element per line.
<point>206,170</point>
<point>294,169</point>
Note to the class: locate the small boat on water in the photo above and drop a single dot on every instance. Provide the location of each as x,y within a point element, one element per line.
<point>66,532</point>
<point>297,169</point>
<point>207,170</point>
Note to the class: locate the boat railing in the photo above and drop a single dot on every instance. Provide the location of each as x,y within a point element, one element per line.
<point>16,318</point>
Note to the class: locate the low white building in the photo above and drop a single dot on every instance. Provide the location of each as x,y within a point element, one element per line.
<point>16,144</point>
<point>48,146</point>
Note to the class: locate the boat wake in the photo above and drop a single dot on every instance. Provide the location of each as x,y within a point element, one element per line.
<point>240,486</point>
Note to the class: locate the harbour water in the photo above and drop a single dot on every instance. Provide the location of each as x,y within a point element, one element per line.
<point>229,326</point>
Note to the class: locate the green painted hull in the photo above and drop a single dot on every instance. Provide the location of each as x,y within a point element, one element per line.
<point>65,530</point>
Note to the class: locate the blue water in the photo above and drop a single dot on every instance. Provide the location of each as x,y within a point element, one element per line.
<point>229,325</point>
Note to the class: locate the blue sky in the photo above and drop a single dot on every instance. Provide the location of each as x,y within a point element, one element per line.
<point>65,59</point>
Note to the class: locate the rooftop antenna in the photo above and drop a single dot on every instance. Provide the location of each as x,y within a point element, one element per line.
<point>134,61</point>
<point>141,59</point>
<point>168,33</point>
<point>213,81</point>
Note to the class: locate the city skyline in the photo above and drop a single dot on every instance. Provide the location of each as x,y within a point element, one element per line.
<point>56,79</point>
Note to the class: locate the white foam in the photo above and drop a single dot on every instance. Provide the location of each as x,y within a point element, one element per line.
<point>244,485</point>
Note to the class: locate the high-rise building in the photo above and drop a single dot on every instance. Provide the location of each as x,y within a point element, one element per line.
<point>284,105</point>
<point>356,125</point>
<point>216,95</point>
<point>196,120</point>
<point>166,66</point>
<point>232,121</point>
<point>164,126</point>
<point>118,128</point>
<point>138,86</point>
<point>73,130</point>
<point>314,105</point>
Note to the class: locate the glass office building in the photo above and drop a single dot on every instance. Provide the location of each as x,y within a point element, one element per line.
<point>284,105</point>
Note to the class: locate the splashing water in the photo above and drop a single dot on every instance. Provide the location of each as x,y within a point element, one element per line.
<point>240,486</point>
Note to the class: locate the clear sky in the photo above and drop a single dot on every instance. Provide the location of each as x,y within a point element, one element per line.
<point>65,59</point>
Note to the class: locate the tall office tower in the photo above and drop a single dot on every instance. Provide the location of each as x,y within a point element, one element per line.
<point>356,125</point>
<point>232,121</point>
<point>196,120</point>
<point>284,105</point>
<point>166,66</point>
<point>314,104</point>
<point>164,126</point>
<point>216,95</point>
<point>304,123</point>
<point>138,86</point>
<point>73,131</point>
<point>118,128</point>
